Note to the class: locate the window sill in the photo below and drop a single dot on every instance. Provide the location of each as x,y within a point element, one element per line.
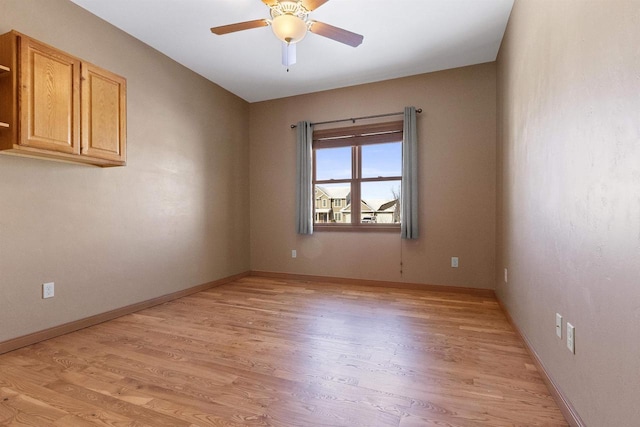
<point>366,228</point>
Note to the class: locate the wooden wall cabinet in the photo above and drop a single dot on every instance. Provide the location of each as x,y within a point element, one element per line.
<point>56,106</point>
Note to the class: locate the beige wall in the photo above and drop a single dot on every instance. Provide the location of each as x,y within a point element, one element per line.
<point>569,175</point>
<point>456,172</point>
<point>176,216</point>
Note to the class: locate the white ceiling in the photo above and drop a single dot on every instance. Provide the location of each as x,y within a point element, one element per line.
<point>401,38</point>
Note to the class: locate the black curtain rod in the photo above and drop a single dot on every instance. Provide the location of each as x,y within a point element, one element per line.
<point>418,110</point>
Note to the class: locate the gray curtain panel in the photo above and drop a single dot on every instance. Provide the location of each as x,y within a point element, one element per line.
<point>409,197</point>
<point>304,190</point>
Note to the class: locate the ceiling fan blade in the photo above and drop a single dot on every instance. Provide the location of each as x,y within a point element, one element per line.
<point>288,54</point>
<point>312,4</point>
<point>335,33</point>
<point>240,26</point>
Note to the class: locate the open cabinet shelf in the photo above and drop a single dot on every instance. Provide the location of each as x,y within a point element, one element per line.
<point>4,70</point>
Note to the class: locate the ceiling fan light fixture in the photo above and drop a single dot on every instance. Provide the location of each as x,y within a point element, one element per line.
<point>290,23</point>
<point>289,28</point>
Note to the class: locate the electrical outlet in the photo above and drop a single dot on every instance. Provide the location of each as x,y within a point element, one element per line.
<point>506,276</point>
<point>558,325</point>
<point>571,338</point>
<point>294,253</point>
<point>454,262</point>
<point>48,290</point>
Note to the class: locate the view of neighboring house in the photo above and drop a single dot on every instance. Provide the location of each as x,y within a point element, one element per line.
<point>378,211</point>
<point>333,204</point>
<point>329,203</point>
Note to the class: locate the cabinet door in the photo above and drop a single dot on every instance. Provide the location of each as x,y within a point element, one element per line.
<point>104,114</point>
<point>49,98</point>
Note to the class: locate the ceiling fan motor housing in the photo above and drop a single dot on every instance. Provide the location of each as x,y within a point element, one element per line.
<point>286,7</point>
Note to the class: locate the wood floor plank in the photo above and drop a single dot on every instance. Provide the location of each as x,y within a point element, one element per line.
<point>112,404</point>
<point>29,411</point>
<point>276,352</point>
<point>79,410</point>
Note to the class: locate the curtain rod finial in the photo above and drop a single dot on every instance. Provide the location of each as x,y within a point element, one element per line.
<point>419,110</point>
<point>293,126</point>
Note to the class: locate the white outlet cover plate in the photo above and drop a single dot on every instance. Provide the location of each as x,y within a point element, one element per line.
<point>571,338</point>
<point>454,261</point>
<point>48,290</point>
<point>558,325</point>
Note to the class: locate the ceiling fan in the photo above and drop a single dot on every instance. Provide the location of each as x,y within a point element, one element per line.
<point>290,23</point>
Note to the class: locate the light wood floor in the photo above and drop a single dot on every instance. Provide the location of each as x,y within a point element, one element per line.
<point>264,352</point>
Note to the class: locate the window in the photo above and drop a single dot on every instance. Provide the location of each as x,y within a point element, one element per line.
<point>361,165</point>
